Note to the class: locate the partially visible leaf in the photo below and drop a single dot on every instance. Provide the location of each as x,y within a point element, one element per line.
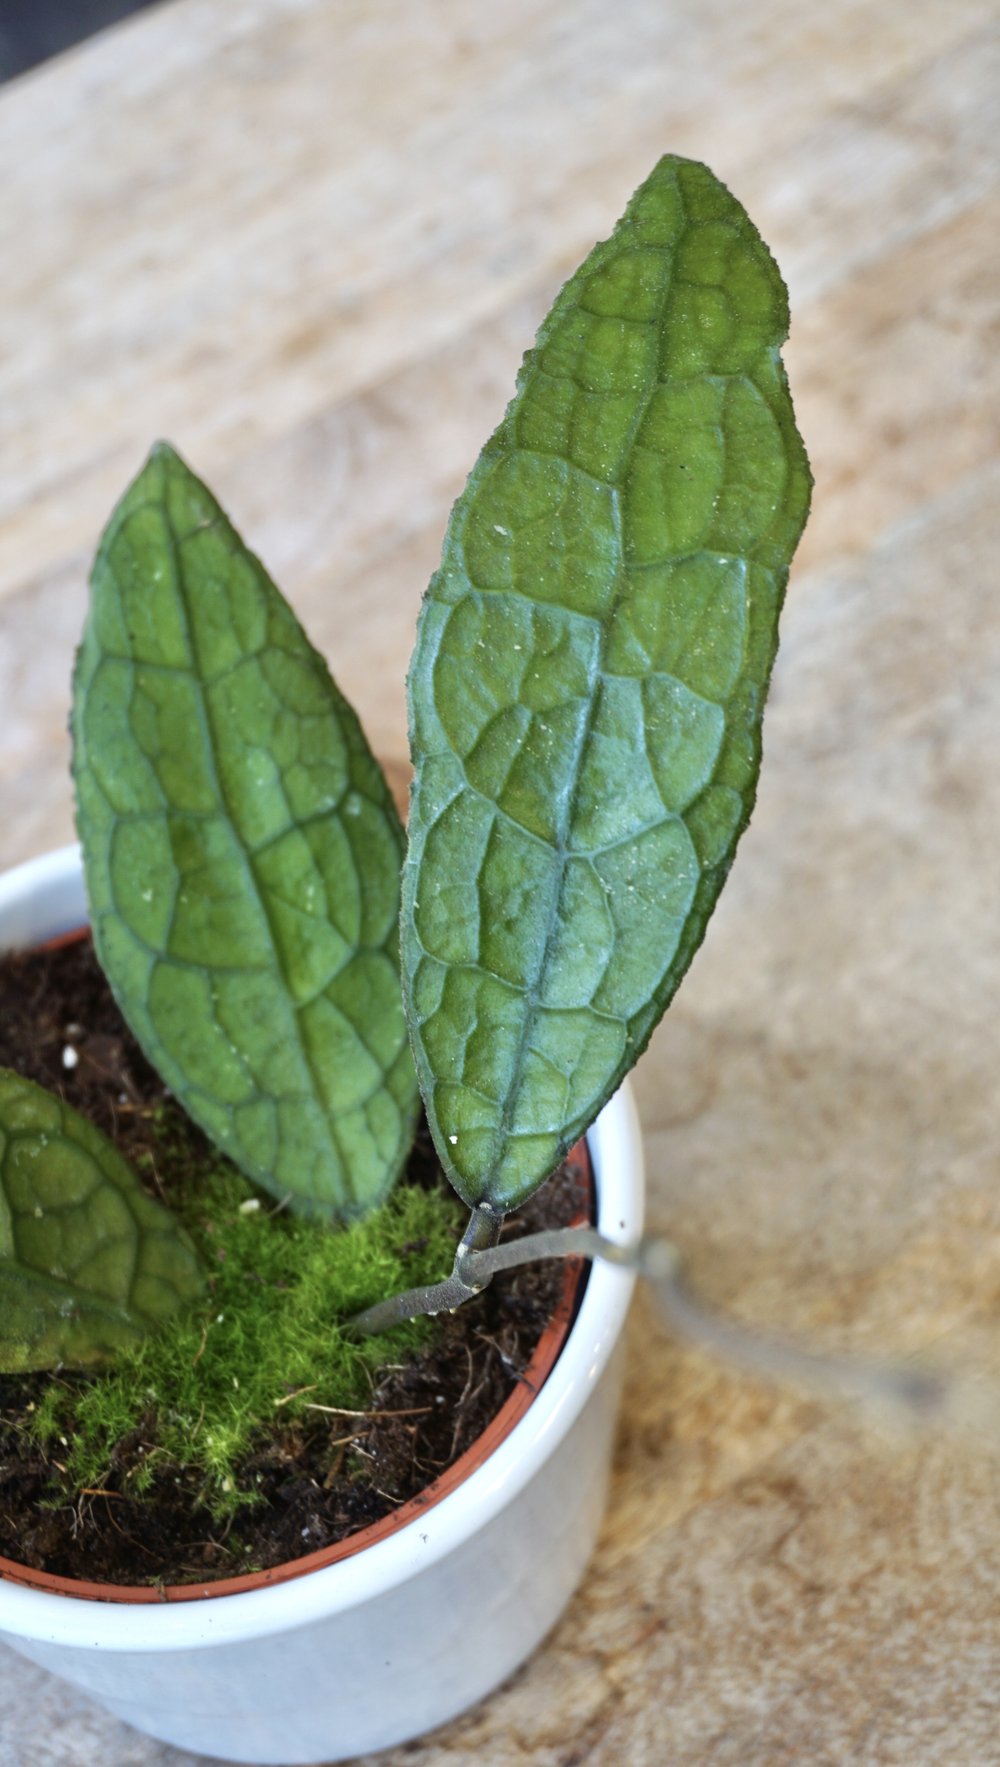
<point>590,672</point>
<point>242,855</point>
<point>88,1261</point>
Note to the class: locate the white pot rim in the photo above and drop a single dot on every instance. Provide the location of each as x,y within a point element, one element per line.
<point>616,1148</point>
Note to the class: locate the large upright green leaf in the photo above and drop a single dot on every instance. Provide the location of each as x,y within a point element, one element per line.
<point>590,671</point>
<point>88,1261</point>
<point>242,855</point>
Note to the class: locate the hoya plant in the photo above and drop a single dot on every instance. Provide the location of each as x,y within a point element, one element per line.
<point>585,705</point>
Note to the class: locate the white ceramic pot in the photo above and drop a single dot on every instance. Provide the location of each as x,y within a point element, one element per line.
<point>381,1647</point>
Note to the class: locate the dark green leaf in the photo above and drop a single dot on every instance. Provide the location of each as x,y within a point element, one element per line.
<point>88,1262</point>
<point>242,855</point>
<point>590,672</point>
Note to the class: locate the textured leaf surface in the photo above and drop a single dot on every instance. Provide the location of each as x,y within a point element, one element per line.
<point>88,1262</point>
<point>590,671</point>
<point>242,855</point>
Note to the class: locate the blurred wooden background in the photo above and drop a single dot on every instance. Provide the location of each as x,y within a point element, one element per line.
<point>308,240</point>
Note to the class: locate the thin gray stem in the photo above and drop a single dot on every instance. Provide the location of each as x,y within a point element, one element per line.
<point>921,1392</point>
<point>481,1234</point>
<point>918,1394</point>
<point>483,1230</point>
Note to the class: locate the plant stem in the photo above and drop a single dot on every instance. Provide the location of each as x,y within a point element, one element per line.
<point>484,1228</point>
<point>917,1394</point>
<point>481,1235</point>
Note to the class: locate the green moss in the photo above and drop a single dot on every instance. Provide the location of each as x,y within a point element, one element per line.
<point>265,1348</point>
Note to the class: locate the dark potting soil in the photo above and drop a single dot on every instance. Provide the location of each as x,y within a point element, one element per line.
<point>312,1493</point>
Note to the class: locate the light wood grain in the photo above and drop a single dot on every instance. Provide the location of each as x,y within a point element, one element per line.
<point>309,240</point>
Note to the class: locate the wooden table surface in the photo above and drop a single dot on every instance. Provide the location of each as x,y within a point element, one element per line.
<point>308,240</point>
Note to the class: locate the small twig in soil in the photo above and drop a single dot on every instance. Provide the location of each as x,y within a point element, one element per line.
<point>279,1208</point>
<point>461,1402</point>
<point>287,1400</point>
<point>130,1538</point>
<point>333,1471</point>
<point>506,1360</point>
<point>342,1411</point>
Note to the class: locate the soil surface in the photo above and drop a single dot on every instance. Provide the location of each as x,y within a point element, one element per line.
<point>319,1482</point>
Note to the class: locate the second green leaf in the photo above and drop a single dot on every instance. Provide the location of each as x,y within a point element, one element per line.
<point>242,855</point>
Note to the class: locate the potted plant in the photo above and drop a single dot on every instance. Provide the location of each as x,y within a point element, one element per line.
<point>585,699</point>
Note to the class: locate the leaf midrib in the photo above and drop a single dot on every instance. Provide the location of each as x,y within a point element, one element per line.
<point>533,993</point>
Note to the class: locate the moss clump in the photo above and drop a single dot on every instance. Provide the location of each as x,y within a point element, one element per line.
<point>198,1395</point>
